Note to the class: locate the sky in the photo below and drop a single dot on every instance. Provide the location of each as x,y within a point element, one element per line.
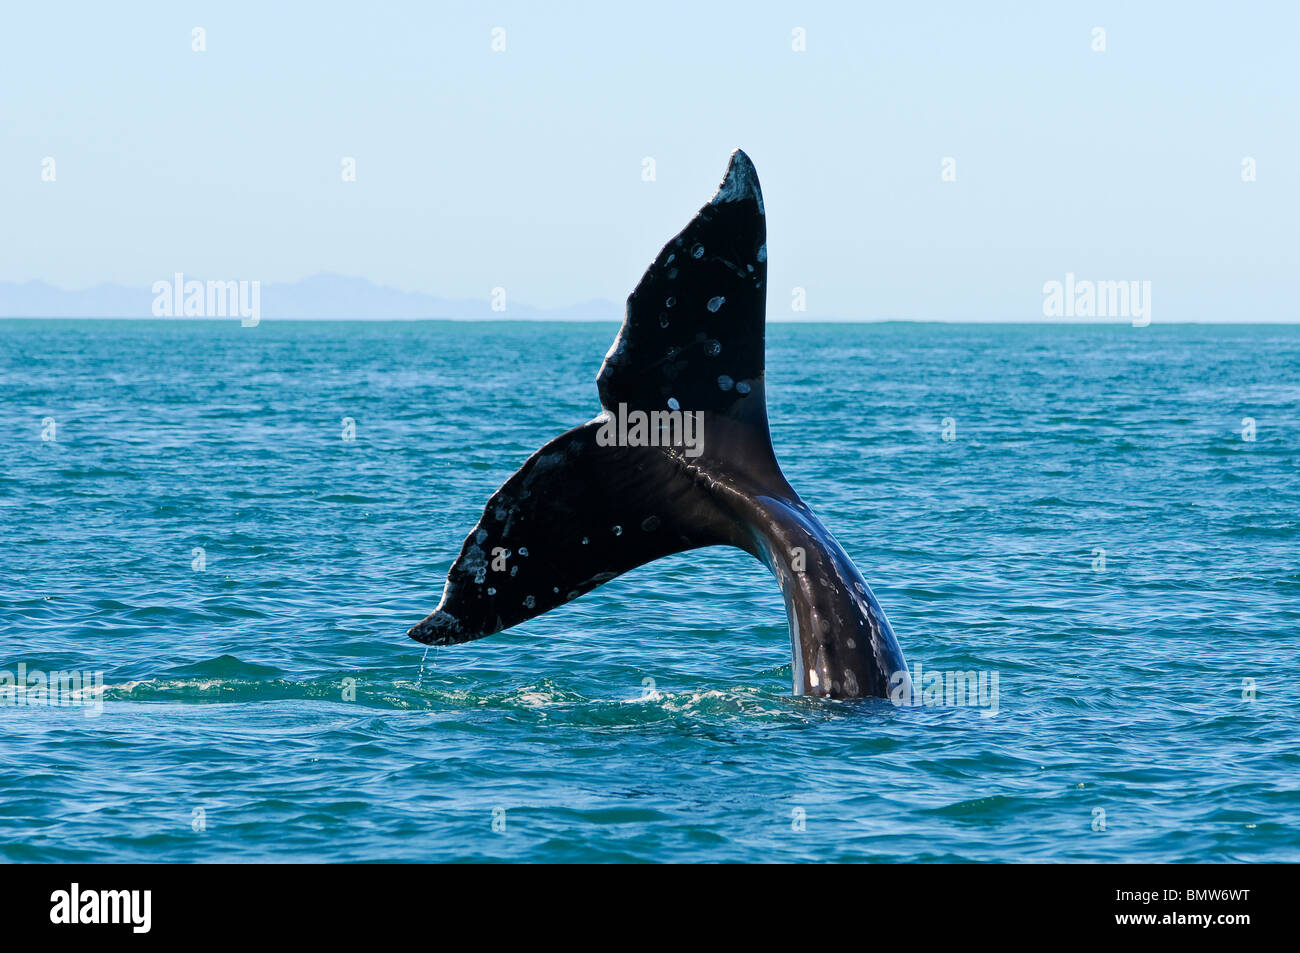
<point>524,167</point>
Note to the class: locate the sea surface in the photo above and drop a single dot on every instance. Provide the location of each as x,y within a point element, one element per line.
<point>182,516</point>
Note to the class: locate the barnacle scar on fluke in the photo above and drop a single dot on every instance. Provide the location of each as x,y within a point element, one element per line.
<point>680,458</point>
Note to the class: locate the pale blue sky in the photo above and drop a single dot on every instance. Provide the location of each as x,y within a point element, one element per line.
<point>523,168</point>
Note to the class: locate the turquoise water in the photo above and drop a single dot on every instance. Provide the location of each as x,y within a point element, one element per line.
<point>1120,690</point>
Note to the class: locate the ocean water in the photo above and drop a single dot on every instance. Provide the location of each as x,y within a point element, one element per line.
<point>199,532</point>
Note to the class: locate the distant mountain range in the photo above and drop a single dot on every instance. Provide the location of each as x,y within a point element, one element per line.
<point>320,296</point>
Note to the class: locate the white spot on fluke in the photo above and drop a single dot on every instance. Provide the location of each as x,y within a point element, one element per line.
<point>716,303</point>
<point>742,388</point>
<point>673,405</point>
<point>741,182</point>
<point>725,382</point>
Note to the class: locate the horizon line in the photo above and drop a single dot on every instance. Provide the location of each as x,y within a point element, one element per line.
<point>549,319</point>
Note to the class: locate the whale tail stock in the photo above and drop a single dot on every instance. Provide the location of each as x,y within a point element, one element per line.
<point>681,457</point>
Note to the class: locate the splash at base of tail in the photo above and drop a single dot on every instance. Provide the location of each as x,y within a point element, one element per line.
<point>681,457</point>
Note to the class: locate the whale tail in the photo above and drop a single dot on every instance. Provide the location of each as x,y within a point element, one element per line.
<point>680,457</point>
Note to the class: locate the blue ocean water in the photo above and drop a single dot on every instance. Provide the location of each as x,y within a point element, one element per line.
<point>1098,533</point>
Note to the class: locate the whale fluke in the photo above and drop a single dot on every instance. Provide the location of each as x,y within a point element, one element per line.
<point>680,457</point>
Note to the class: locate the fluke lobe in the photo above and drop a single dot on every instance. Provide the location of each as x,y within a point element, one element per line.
<point>681,457</point>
